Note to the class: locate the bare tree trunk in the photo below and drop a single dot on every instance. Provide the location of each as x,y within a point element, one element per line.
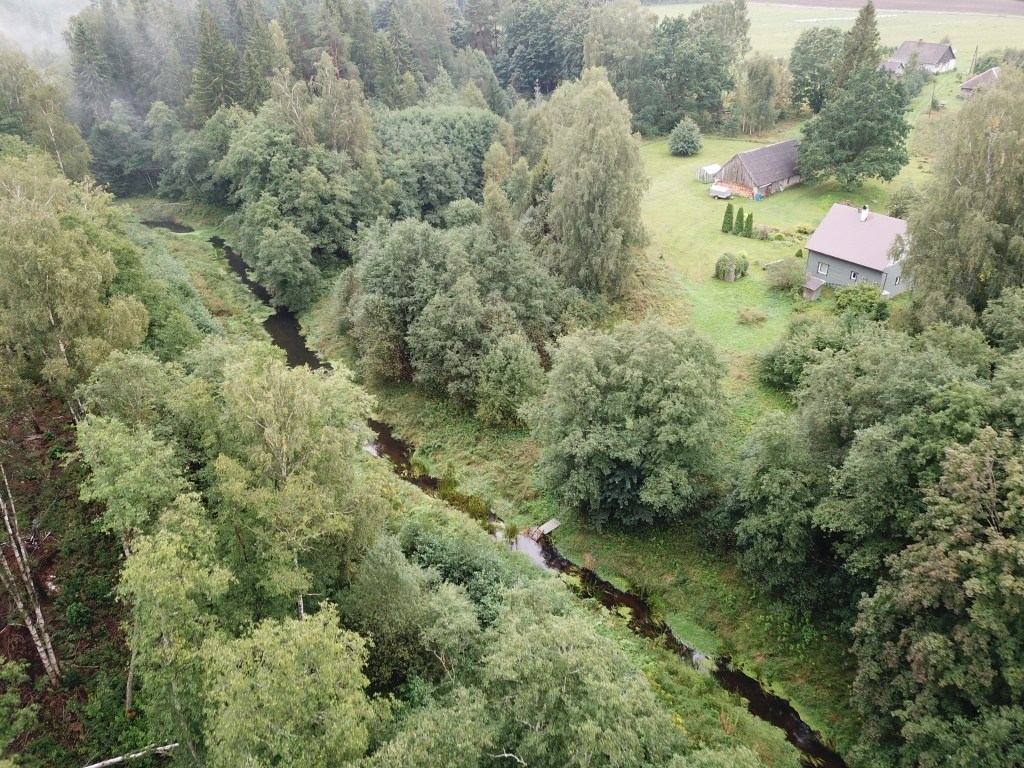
<point>177,704</point>
<point>129,689</point>
<point>302,607</point>
<point>152,749</point>
<point>22,586</point>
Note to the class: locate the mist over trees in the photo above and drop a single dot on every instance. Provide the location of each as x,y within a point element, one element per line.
<point>452,195</point>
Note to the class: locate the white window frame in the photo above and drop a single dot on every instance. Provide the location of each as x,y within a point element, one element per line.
<point>897,281</point>
<point>854,275</point>
<point>823,268</point>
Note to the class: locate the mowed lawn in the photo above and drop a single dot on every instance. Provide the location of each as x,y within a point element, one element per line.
<point>685,227</point>
<point>775,28</point>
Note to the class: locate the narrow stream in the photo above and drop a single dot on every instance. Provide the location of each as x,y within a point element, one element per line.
<point>283,327</point>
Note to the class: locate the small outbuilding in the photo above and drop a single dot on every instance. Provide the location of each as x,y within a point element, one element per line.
<point>894,68</point>
<point>853,245</point>
<point>764,170</point>
<point>933,57</point>
<point>812,288</point>
<point>979,81</point>
<point>707,173</point>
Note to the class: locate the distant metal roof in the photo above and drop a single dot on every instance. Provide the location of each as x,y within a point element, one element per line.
<point>985,77</point>
<point>890,65</point>
<point>766,165</point>
<point>842,235</point>
<point>929,54</point>
<point>713,168</point>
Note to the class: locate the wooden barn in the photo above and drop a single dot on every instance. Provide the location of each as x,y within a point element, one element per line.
<point>985,78</point>
<point>764,170</point>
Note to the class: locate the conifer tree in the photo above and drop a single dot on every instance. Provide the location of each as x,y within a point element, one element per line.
<point>738,226</point>
<point>727,221</point>
<point>215,76</point>
<point>399,39</point>
<point>255,87</point>
<point>748,228</point>
<point>385,78</point>
<point>860,46</point>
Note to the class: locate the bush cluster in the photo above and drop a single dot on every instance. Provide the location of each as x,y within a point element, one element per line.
<point>685,139</point>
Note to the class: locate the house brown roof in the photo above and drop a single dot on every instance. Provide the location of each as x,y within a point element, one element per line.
<point>929,54</point>
<point>766,165</point>
<point>842,235</point>
<point>985,77</point>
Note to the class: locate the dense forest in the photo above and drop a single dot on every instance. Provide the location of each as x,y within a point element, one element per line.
<point>201,563</point>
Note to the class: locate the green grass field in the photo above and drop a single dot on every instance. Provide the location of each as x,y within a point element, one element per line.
<point>775,28</point>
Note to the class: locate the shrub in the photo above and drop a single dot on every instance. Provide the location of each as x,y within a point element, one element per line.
<point>462,213</point>
<point>762,232</point>
<point>509,375</point>
<point>785,275</point>
<point>750,317</point>
<point>738,264</point>
<point>804,229</point>
<point>1003,319</point>
<point>737,228</point>
<point>748,228</point>
<point>862,300</point>
<point>630,423</point>
<point>799,253</point>
<point>904,198</point>
<point>685,138</point>
<point>727,220</point>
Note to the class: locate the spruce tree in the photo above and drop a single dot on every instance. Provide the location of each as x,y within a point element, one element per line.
<point>255,87</point>
<point>737,228</point>
<point>748,228</point>
<point>860,46</point>
<point>215,76</point>
<point>727,221</point>
<point>386,79</point>
<point>399,40</point>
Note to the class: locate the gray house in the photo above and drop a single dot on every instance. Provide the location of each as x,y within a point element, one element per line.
<point>764,170</point>
<point>934,57</point>
<point>853,245</point>
<point>979,81</point>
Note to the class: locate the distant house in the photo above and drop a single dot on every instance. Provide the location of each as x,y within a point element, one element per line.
<point>764,170</point>
<point>852,245</point>
<point>986,77</point>
<point>934,57</point>
<point>894,68</point>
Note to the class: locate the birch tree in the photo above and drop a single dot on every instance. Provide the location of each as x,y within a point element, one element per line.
<point>56,273</point>
<point>291,695</point>
<point>599,181</point>
<point>133,475</point>
<point>19,582</point>
<point>169,582</point>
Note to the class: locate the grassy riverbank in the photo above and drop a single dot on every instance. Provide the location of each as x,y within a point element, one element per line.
<point>500,463</point>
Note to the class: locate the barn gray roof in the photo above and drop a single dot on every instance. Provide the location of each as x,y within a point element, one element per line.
<point>766,165</point>
<point>929,54</point>
<point>985,77</point>
<point>842,235</point>
<point>890,65</point>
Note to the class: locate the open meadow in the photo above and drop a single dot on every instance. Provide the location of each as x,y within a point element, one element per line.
<point>775,28</point>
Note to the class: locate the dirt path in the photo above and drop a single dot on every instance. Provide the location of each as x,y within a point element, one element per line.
<point>1000,7</point>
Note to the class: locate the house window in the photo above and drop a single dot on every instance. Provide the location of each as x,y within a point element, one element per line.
<point>822,268</point>
<point>854,276</point>
<point>898,279</point>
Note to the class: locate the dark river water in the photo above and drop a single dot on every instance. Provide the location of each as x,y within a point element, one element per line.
<point>283,328</point>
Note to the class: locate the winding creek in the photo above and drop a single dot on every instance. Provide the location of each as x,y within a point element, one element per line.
<point>283,327</point>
